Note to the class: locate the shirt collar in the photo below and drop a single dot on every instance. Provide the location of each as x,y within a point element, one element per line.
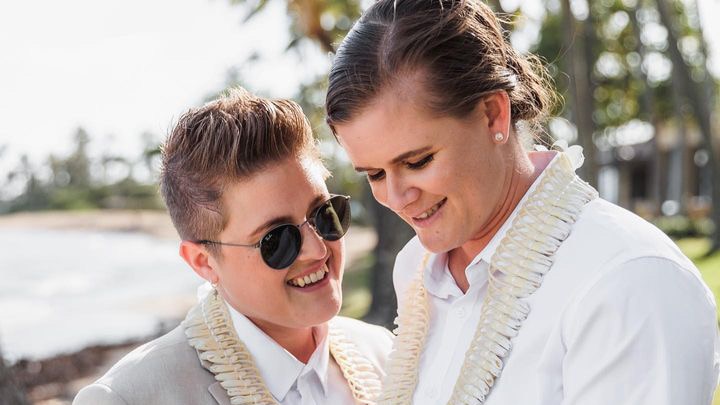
<point>438,280</point>
<point>278,368</point>
<point>320,359</point>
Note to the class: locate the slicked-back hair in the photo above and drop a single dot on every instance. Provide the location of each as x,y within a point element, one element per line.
<point>226,141</point>
<point>455,48</point>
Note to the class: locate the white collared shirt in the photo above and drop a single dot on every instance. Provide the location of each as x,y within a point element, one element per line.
<point>290,381</point>
<point>622,318</point>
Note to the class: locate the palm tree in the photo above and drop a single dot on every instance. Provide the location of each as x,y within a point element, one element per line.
<point>700,100</point>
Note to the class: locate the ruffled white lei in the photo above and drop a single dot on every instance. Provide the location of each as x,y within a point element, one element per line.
<point>210,331</point>
<point>517,268</point>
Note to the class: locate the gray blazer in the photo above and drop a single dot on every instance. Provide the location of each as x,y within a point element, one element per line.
<point>167,370</point>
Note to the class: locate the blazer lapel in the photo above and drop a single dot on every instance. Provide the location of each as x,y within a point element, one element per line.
<point>216,390</point>
<point>219,393</point>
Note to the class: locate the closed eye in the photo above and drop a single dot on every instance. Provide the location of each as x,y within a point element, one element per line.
<point>420,163</point>
<point>375,176</point>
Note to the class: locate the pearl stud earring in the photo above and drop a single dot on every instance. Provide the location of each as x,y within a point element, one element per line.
<point>499,137</point>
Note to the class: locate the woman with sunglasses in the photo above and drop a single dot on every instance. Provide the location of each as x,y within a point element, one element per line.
<point>246,191</point>
<point>522,286</point>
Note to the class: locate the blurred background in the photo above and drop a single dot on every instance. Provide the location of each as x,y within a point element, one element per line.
<point>88,257</point>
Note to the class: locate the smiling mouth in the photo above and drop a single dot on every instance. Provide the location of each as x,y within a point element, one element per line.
<point>310,279</point>
<point>427,214</point>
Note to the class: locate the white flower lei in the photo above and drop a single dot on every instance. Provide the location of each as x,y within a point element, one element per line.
<point>524,256</point>
<point>210,331</point>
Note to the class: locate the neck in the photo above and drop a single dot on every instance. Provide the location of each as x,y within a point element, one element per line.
<point>300,342</point>
<point>518,180</point>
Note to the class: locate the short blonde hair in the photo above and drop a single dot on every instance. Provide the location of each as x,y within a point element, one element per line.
<point>225,141</point>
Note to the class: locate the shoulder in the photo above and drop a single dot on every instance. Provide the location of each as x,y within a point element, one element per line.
<point>168,361</point>
<point>614,253</point>
<point>156,355</point>
<point>657,292</point>
<point>617,269</point>
<point>607,217</point>
<point>97,393</point>
<point>609,224</point>
<point>646,325</point>
<point>606,235</point>
<point>372,341</point>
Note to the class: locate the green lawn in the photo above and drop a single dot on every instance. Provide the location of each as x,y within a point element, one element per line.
<point>709,266</point>
<point>695,249</point>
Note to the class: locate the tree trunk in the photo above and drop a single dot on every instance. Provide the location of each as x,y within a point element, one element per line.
<point>10,393</point>
<point>700,102</point>
<point>309,14</point>
<point>676,178</point>
<point>579,68</point>
<point>392,233</point>
<point>647,112</point>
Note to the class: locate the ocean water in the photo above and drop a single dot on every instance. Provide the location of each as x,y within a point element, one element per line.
<point>63,290</point>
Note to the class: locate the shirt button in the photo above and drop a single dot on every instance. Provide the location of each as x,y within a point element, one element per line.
<point>431,392</point>
<point>461,312</point>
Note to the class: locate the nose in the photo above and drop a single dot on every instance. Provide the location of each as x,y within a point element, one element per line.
<point>313,245</point>
<point>399,194</point>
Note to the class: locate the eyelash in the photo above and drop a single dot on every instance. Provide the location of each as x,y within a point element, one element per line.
<point>420,163</point>
<point>412,166</point>
<point>376,176</point>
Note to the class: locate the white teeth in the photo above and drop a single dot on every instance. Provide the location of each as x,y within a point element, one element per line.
<point>310,278</point>
<point>429,212</point>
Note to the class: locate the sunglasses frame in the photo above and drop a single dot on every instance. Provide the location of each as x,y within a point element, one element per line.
<point>310,220</point>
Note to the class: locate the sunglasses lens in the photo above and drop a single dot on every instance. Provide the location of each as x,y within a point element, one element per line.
<point>333,218</point>
<point>280,246</point>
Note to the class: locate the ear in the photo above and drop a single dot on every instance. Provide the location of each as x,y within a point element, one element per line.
<point>497,110</point>
<point>197,257</point>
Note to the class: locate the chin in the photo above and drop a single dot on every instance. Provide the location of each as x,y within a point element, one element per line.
<point>323,315</point>
<point>333,307</point>
<point>434,245</point>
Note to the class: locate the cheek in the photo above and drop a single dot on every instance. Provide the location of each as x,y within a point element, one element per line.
<point>436,181</point>
<point>337,249</point>
<point>240,267</point>
<point>379,191</point>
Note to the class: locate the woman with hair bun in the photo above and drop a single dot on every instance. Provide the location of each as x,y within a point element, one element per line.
<point>521,286</point>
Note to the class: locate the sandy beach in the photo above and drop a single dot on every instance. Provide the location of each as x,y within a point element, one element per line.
<point>155,223</point>
<point>359,240</point>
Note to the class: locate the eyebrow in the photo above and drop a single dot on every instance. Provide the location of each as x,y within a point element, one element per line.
<point>399,158</point>
<point>285,219</point>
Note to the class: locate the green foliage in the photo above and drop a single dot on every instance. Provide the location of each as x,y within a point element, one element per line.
<point>79,182</point>
<point>344,180</point>
<point>679,226</point>
<point>71,198</point>
<point>35,197</point>
<point>626,50</point>
<point>356,287</point>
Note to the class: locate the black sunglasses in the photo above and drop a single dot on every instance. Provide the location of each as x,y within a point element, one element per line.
<point>281,245</point>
